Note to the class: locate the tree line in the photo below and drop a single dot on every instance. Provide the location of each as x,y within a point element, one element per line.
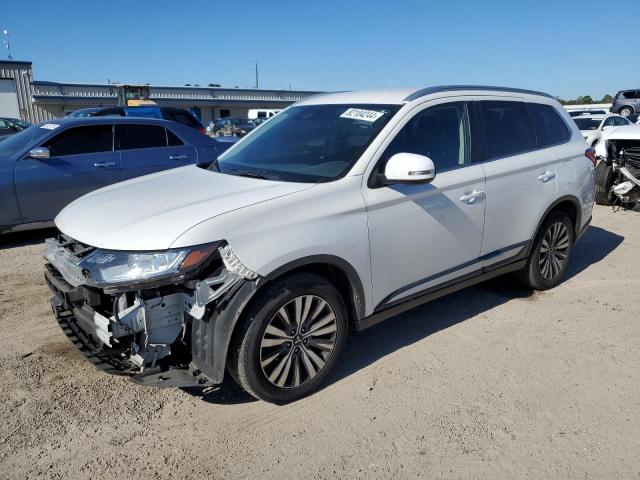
<point>585,100</point>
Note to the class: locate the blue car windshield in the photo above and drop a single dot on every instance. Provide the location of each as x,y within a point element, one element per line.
<point>313,143</point>
<point>27,138</point>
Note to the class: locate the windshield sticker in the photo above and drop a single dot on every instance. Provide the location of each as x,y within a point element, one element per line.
<point>361,114</point>
<point>50,126</point>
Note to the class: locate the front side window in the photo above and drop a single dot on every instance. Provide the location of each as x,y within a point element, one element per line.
<point>81,140</point>
<point>508,128</point>
<point>549,126</point>
<point>312,143</point>
<point>609,122</point>
<point>141,136</point>
<point>440,133</point>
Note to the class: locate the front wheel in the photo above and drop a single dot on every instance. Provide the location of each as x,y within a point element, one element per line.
<point>550,253</point>
<point>289,339</point>
<point>605,176</point>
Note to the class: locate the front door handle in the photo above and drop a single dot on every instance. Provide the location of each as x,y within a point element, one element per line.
<point>546,176</point>
<point>470,198</point>
<point>178,157</point>
<point>104,164</point>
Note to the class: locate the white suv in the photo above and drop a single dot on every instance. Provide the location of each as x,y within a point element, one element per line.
<point>341,211</point>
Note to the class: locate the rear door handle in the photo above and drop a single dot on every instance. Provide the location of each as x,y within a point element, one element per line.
<point>104,164</point>
<point>178,157</point>
<point>546,176</point>
<point>470,198</point>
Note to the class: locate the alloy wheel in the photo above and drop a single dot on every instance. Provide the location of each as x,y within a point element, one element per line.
<point>554,250</point>
<point>298,341</point>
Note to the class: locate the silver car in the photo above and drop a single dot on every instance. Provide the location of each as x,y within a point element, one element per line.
<point>626,102</point>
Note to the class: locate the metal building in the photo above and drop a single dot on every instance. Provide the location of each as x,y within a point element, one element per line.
<point>36,101</point>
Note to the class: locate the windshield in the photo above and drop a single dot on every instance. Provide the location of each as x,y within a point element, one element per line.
<point>588,123</point>
<point>27,138</point>
<point>315,143</point>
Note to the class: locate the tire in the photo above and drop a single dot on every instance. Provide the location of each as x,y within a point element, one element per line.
<point>604,181</point>
<point>278,366</point>
<point>550,253</point>
<point>625,111</point>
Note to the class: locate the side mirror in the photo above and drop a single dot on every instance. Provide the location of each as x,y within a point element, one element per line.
<point>40,153</point>
<point>409,168</point>
<point>606,127</point>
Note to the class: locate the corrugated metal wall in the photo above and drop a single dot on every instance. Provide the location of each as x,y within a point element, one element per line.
<point>20,72</point>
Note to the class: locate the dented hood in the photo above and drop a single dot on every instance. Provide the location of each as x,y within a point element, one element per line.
<point>150,212</point>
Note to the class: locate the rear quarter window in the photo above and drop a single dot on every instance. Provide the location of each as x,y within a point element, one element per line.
<point>549,127</point>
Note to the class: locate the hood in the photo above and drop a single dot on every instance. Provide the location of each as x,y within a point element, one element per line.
<point>150,212</point>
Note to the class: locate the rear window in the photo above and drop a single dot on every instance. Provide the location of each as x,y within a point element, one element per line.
<point>81,140</point>
<point>183,118</point>
<point>141,136</point>
<point>508,128</point>
<point>588,123</point>
<point>549,126</point>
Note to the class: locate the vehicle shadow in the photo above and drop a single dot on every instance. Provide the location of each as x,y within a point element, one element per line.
<point>412,326</point>
<point>22,239</point>
<point>367,347</point>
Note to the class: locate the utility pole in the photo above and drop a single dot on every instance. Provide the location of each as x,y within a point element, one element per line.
<point>255,62</point>
<point>5,33</point>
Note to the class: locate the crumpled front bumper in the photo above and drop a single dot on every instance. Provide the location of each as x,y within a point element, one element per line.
<point>78,325</point>
<point>173,335</point>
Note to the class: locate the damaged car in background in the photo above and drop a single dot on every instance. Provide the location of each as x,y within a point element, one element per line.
<point>618,172</point>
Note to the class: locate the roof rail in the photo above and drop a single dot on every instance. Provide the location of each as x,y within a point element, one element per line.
<point>450,88</point>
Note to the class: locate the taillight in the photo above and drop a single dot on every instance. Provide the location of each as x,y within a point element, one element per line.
<point>590,153</point>
<point>202,131</point>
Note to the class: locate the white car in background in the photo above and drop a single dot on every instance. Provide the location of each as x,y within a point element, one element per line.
<point>592,126</point>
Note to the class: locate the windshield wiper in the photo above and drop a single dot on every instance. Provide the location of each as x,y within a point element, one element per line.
<point>250,174</point>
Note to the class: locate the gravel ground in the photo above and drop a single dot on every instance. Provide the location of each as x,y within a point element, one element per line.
<point>492,382</point>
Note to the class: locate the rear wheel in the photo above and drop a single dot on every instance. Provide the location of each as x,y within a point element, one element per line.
<point>290,338</point>
<point>626,111</point>
<point>550,253</point>
<point>605,177</point>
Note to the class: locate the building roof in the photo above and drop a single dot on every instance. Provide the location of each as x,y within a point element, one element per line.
<point>15,62</point>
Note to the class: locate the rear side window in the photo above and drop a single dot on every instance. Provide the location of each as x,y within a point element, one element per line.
<point>141,136</point>
<point>549,126</point>
<point>508,128</point>
<point>632,94</point>
<point>81,140</point>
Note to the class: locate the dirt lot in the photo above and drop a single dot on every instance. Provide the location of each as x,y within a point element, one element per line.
<point>492,382</point>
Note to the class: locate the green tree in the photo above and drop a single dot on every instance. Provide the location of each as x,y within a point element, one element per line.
<point>214,85</point>
<point>607,99</point>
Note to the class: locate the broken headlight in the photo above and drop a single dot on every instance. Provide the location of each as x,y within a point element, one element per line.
<point>112,267</point>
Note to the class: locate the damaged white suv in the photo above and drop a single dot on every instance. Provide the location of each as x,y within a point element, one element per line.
<point>343,210</point>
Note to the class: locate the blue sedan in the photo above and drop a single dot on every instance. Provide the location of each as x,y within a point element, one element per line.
<point>47,166</point>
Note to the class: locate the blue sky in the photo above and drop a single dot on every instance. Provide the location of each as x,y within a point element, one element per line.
<point>560,46</point>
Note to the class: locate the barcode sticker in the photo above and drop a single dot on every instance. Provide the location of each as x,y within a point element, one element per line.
<point>361,114</point>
